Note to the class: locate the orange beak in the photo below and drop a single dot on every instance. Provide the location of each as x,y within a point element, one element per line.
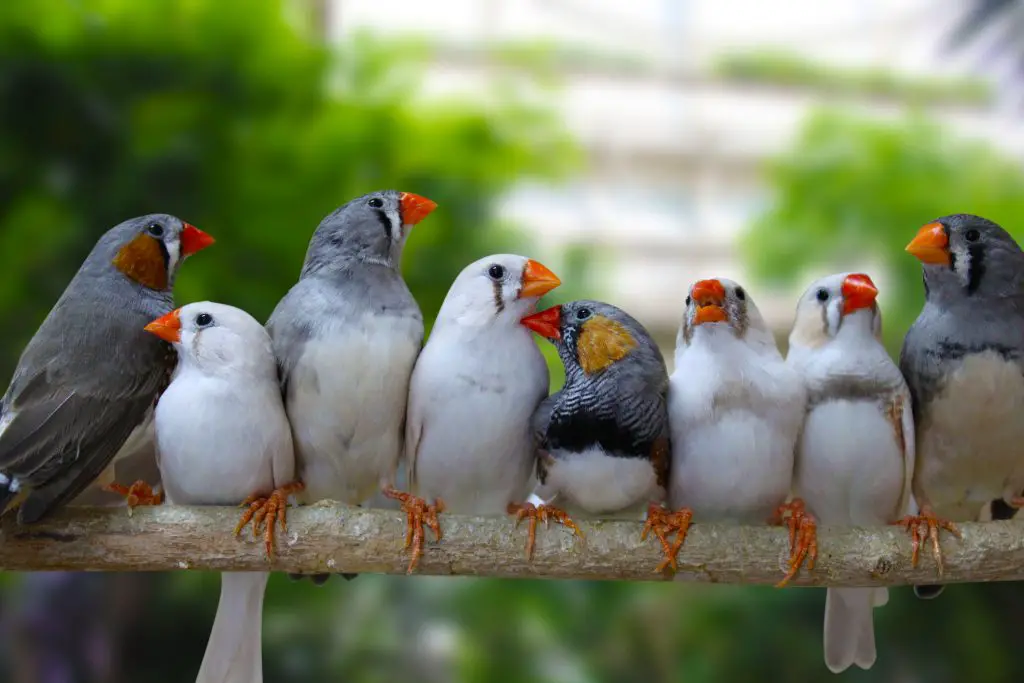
<point>931,245</point>
<point>858,292</point>
<point>537,280</point>
<point>167,327</point>
<point>193,239</point>
<point>709,297</point>
<point>414,208</point>
<point>547,323</point>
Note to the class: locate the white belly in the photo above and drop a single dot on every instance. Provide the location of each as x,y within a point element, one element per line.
<point>971,442</point>
<point>850,467</point>
<point>737,469</point>
<point>601,485</point>
<point>347,403</point>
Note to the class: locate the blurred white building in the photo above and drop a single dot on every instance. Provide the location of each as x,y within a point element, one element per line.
<point>674,153</point>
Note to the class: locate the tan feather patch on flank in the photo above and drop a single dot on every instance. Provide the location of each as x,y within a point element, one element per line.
<point>660,457</point>
<point>142,261</point>
<point>602,342</point>
<point>894,413</point>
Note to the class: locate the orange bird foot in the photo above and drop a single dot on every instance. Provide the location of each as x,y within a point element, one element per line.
<point>265,511</point>
<point>543,513</point>
<point>663,524</point>
<point>1017,502</point>
<point>803,537</point>
<point>418,512</point>
<point>926,526</point>
<point>139,493</point>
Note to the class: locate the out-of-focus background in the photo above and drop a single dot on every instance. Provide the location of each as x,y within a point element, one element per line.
<point>632,147</point>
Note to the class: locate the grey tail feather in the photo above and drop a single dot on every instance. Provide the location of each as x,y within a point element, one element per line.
<point>928,591</point>
<point>6,496</point>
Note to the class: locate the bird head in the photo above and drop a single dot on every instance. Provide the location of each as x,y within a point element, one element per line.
<point>594,337</point>
<point>957,252</point>
<point>496,288</point>
<point>216,336</point>
<point>720,305</point>
<point>841,303</point>
<point>150,248</point>
<point>371,229</point>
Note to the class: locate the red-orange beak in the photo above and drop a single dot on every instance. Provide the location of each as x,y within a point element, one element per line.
<point>414,208</point>
<point>547,323</point>
<point>858,292</point>
<point>709,298</point>
<point>193,239</point>
<point>537,280</point>
<point>931,245</point>
<point>167,327</point>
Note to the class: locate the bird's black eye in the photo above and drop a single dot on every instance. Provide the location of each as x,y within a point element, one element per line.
<point>155,229</point>
<point>496,271</point>
<point>204,319</point>
<point>740,294</point>
<point>688,300</point>
<point>376,202</point>
<point>972,235</point>
<point>583,314</point>
<point>822,294</point>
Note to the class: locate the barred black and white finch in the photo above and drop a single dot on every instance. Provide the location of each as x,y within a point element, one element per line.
<point>604,437</point>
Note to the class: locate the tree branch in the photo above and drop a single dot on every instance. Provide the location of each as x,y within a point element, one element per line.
<point>331,538</point>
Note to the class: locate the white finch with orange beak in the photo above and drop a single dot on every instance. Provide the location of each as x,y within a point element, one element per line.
<point>856,455</point>
<point>475,388</point>
<point>736,410</point>
<point>222,435</point>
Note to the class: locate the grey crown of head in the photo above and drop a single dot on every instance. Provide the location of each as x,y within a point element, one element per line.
<point>366,230</point>
<point>985,262</point>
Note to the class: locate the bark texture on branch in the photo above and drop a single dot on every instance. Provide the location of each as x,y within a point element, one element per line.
<point>333,538</point>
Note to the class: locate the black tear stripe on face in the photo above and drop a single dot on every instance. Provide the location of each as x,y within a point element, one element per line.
<point>166,255</point>
<point>382,216</point>
<point>975,266</point>
<point>499,304</point>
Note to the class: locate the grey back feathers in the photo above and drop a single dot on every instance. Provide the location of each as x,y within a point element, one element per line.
<point>87,378</point>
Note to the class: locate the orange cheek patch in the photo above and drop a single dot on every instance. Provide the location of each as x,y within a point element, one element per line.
<point>142,261</point>
<point>602,342</point>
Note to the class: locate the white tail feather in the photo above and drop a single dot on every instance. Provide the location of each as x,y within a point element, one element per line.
<point>850,628</point>
<point>234,653</point>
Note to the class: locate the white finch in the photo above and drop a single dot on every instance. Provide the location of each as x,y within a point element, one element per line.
<point>856,455</point>
<point>475,388</point>
<point>736,410</point>
<point>222,434</point>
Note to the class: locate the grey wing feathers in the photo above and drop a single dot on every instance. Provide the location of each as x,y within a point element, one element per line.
<point>288,336</point>
<point>57,442</point>
<point>541,418</point>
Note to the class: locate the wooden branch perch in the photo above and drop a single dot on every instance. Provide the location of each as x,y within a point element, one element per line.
<point>332,538</point>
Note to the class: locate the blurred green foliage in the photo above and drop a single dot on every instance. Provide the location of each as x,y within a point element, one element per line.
<point>783,68</point>
<point>248,128</point>
<point>854,191</point>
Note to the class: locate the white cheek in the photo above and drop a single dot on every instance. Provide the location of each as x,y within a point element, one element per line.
<point>396,224</point>
<point>833,316</point>
<point>173,255</point>
<point>961,263</point>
